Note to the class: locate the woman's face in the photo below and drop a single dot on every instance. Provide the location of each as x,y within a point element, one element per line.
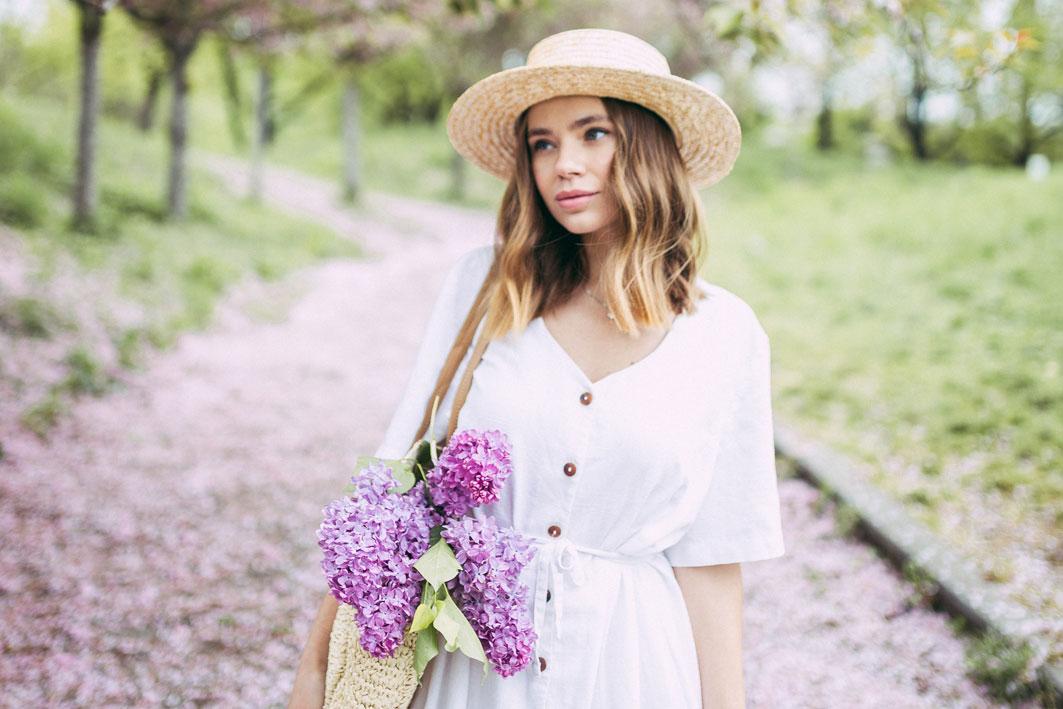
<point>571,142</point>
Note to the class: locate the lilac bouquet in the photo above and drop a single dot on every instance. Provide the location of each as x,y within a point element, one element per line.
<point>401,551</point>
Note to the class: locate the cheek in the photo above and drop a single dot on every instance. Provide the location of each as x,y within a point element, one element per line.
<point>541,175</point>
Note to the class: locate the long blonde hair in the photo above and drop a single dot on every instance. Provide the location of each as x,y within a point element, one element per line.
<point>653,268</point>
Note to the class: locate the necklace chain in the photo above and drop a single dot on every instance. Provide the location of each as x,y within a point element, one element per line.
<point>608,310</point>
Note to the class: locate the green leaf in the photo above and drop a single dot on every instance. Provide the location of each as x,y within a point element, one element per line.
<point>456,629</point>
<point>401,468</point>
<point>422,453</point>
<point>725,20</point>
<point>428,600</point>
<point>403,471</point>
<point>425,648</point>
<point>423,617</point>
<point>438,565</point>
<point>364,461</point>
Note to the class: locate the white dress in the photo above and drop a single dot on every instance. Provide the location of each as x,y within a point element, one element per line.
<point>668,462</point>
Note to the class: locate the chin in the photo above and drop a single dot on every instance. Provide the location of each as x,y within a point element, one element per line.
<point>577,225</point>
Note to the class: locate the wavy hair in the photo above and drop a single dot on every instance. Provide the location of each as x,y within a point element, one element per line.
<point>661,242</point>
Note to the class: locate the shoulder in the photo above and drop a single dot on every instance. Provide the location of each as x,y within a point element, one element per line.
<point>466,274</point>
<point>724,312</point>
<point>474,262</point>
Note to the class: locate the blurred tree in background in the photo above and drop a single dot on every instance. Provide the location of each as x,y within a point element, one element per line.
<point>90,15</point>
<point>405,62</point>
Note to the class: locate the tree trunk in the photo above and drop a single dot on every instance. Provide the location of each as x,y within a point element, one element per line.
<point>825,124</point>
<point>458,174</point>
<point>146,114</point>
<point>456,191</point>
<point>85,178</point>
<point>1027,139</point>
<point>260,133</point>
<point>177,200</point>
<point>233,102</point>
<point>915,121</point>
<point>352,186</point>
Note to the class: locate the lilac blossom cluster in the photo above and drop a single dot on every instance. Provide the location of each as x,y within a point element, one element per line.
<point>488,589</point>
<point>370,541</point>
<point>471,471</point>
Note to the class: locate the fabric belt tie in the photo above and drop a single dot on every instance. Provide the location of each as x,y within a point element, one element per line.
<point>558,557</point>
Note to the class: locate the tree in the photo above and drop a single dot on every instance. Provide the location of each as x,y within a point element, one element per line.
<point>90,17</point>
<point>943,51</point>
<point>843,26</point>
<point>1038,74</point>
<point>354,30</point>
<point>179,25</point>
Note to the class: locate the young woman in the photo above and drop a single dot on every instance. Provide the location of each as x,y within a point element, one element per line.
<point>634,393</point>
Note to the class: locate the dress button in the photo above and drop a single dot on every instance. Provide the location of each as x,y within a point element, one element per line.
<point>547,595</point>
<point>585,398</point>
<point>542,664</point>
<point>553,530</point>
<point>570,469</point>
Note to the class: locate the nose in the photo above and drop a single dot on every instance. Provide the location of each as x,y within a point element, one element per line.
<point>569,159</point>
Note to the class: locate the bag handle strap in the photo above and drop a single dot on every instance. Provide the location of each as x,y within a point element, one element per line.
<point>457,352</point>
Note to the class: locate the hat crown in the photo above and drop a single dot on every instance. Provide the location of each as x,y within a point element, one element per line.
<point>598,48</point>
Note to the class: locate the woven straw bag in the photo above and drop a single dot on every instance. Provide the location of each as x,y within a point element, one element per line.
<point>354,679</point>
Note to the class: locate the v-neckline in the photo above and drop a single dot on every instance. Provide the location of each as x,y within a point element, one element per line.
<point>579,370</point>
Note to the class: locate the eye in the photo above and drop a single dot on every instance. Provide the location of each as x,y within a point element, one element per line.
<point>539,145</point>
<point>591,131</point>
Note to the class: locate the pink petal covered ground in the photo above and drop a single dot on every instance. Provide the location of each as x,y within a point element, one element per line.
<point>160,549</point>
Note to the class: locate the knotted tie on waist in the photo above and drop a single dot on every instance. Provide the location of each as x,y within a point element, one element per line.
<point>558,557</point>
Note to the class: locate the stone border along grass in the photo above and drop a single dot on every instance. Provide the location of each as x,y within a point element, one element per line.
<point>907,542</point>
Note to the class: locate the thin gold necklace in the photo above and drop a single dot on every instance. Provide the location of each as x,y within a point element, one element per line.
<point>608,310</point>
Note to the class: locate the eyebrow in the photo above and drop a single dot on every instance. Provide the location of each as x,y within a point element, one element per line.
<point>578,123</point>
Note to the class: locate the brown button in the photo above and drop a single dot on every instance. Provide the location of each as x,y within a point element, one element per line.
<point>553,530</point>
<point>585,398</point>
<point>570,469</point>
<point>542,664</point>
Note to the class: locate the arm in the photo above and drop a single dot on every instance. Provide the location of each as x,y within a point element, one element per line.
<point>713,596</point>
<point>308,691</point>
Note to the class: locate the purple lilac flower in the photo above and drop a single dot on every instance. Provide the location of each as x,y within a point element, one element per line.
<point>489,592</point>
<point>370,542</point>
<point>471,470</point>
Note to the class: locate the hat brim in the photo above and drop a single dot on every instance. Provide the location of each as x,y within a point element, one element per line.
<point>480,123</point>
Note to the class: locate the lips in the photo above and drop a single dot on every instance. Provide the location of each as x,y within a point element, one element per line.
<point>574,199</point>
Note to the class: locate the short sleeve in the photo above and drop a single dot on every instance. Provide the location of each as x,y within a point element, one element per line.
<point>451,306</point>
<point>739,519</point>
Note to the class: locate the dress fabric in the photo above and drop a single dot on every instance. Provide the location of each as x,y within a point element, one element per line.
<point>674,466</point>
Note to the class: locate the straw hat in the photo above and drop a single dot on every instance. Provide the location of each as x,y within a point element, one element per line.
<point>595,62</point>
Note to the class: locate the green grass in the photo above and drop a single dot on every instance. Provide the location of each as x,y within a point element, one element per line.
<point>917,302</point>
<point>175,271</point>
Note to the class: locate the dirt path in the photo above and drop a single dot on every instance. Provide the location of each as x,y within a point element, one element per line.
<point>159,551</point>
